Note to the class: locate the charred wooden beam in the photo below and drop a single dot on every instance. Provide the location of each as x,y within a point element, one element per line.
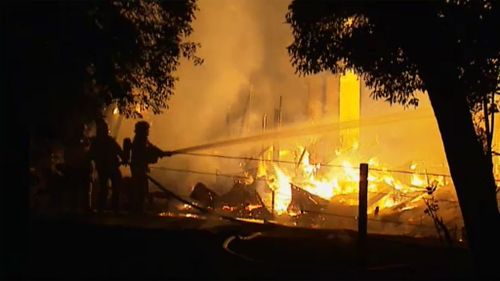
<point>204,195</point>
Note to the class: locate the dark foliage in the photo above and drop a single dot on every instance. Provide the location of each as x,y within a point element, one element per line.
<point>390,42</point>
<point>450,49</point>
<point>68,59</point>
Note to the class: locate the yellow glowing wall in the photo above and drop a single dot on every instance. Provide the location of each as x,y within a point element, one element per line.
<point>349,108</point>
<point>496,147</point>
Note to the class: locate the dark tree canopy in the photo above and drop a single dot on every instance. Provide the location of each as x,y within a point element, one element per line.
<point>68,59</point>
<point>393,43</point>
<point>144,63</point>
<point>451,50</point>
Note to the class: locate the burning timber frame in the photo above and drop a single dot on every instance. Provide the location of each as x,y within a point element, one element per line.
<point>362,205</point>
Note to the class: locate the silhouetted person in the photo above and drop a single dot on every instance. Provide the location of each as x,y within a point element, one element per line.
<point>143,153</point>
<point>107,156</point>
<point>77,169</point>
<point>41,169</point>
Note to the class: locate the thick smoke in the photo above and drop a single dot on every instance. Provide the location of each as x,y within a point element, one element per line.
<point>246,71</point>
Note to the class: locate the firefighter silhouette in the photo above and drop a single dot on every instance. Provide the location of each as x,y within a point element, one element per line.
<point>141,153</point>
<point>107,156</point>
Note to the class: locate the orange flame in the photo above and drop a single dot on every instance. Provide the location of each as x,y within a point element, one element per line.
<point>329,181</point>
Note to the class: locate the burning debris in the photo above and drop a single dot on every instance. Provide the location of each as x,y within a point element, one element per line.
<point>204,195</point>
<point>306,208</point>
<point>303,201</point>
<point>243,201</point>
<point>294,190</point>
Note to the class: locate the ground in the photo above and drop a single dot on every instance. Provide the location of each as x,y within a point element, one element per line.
<point>121,247</point>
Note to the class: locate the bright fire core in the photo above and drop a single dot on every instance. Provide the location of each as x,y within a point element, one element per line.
<point>341,182</point>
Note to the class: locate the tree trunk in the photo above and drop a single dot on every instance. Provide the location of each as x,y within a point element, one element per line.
<point>471,171</point>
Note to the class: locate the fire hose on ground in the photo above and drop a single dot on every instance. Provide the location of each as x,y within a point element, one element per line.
<point>226,243</point>
<point>230,239</point>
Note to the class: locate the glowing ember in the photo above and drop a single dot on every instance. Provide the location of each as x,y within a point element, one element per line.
<point>252,207</point>
<point>228,208</point>
<point>182,215</point>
